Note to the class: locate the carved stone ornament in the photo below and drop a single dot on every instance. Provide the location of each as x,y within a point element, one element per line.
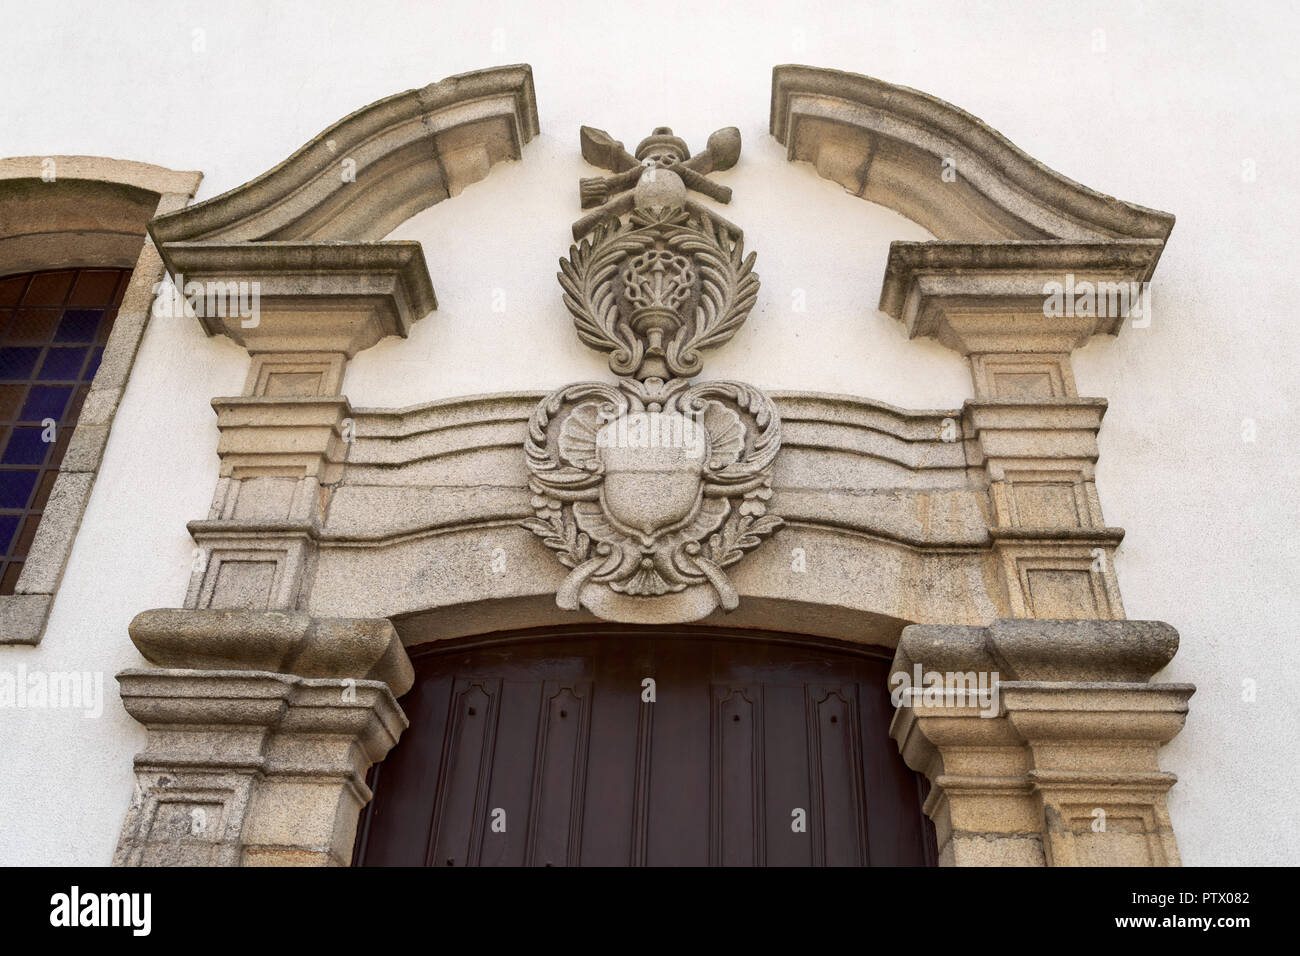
<point>648,488</point>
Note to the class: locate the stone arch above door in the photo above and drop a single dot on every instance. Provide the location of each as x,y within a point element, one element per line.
<point>980,527</point>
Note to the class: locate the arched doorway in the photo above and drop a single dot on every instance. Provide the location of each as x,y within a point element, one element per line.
<point>617,746</point>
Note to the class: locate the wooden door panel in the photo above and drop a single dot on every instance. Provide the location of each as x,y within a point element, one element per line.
<point>469,749</point>
<point>737,794</point>
<point>835,776</point>
<point>538,749</point>
<point>558,792</point>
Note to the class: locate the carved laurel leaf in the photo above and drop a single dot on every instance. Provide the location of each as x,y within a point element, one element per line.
<point>589,280</point>
<point>741,533</point>
<point>560,533</point>
<point>728,291</point>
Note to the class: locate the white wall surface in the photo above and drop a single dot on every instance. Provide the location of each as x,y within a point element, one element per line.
<point>1165,116</point>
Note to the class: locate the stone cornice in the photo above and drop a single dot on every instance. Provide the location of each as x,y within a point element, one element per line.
<point>407,152</point>
<point>1003,262</point>
<point>994,296</point>
<point>118,172</point>
<point>889,144</point>
<point>310,296</point>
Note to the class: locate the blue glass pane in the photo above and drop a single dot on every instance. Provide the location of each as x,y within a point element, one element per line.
<point>46,401</point>
<point>96,356</point>
<point>78,325</point>
<point>25,447</point>
<point>16,364</point>
<point>16,488</point>
<point>8,525</point>
<point>62,364</point>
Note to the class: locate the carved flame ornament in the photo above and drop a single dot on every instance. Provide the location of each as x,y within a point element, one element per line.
<point>649,488</point>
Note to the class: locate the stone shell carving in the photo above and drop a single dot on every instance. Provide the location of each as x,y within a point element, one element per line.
<point>651,489</point>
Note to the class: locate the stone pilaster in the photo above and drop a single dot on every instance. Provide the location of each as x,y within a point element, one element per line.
<point>1027,427</point>
<point>247,768</point>
<point>305,309</point>
<point>1093,768</point>
<point>980,798</point>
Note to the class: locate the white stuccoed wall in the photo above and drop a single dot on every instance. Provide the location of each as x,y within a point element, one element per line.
<point>1164,116</point>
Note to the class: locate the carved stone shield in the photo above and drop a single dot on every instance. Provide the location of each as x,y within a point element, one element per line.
<point>651,489</point>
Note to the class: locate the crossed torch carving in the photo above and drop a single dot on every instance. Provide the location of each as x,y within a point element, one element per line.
<point>661,151</point>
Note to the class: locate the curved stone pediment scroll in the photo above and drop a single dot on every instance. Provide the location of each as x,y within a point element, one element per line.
<point>376,167</point>
<point>938,165</point>
<point>306,234</point>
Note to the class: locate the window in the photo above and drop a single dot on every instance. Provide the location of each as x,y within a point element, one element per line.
<point>53,328</point>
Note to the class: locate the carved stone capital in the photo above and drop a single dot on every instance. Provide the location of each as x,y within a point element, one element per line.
<point>1039,739</point>
<point>248,768</point>
<point>284,642</point>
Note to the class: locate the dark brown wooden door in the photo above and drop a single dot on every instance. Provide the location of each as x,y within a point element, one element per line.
<point>539,750</point>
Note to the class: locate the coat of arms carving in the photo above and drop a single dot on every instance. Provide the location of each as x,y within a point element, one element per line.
<point>650,487</point>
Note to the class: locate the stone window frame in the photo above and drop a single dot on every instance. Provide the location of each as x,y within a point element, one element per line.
<point>100,222</point>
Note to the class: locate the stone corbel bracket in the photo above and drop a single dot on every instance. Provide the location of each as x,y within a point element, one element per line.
<point>1040,739</point>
